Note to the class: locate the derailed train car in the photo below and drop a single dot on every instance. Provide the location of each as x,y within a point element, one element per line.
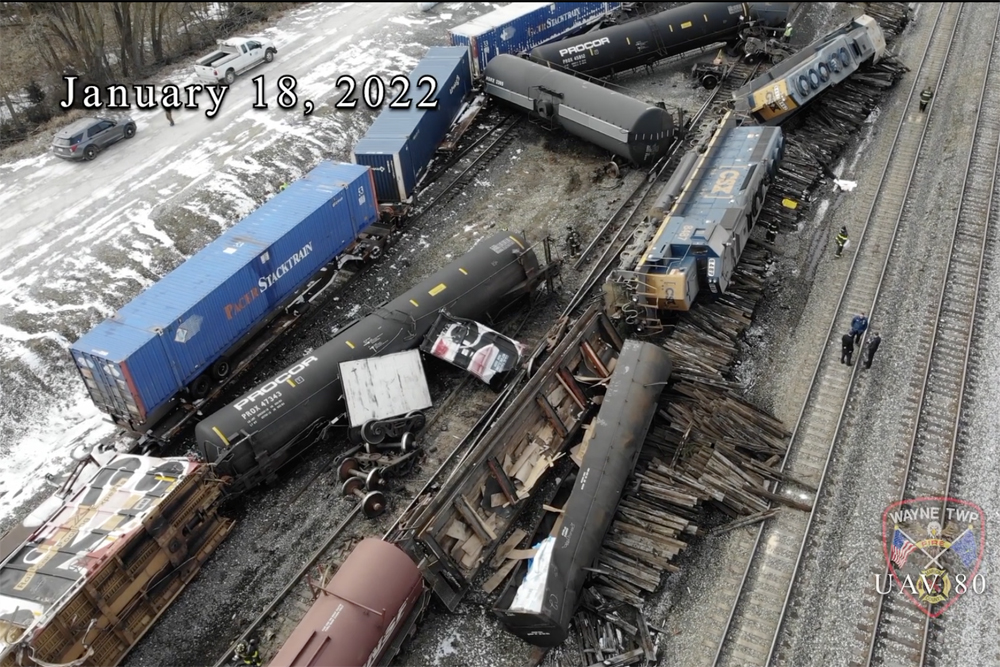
<point>363,615</point>
<point>538,607</point>
<point>250,439</point>
<point>635,130</point>
<point>521,26</point>
<point>668,33</point>
<point>715,199</point>
<point>791,84</point>
<point>92,579</point>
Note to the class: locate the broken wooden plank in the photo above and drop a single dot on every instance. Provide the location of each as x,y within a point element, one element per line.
<point>475,521</point>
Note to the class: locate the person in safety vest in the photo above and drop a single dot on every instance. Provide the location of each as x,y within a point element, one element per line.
<point>841,241</point>
<point>788,34</point>
<point>925,98</point>
<point>248,653</point>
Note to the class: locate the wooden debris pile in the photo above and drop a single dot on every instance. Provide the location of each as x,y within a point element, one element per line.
<point>708,445</point>
<point>814,141</point>
<point>614,635</point>
<point>892,17</point>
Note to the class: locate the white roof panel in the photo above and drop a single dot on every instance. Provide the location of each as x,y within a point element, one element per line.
<point>497,18</point>
<point>384,387</point>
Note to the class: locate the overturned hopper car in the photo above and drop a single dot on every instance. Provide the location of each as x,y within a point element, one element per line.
<point>91,580</point>
<point>538,607</point>
<point>635,130</point>
<point>362,615</point>
<point>791,84</point>
<point>668,33</point>
<point>251,438</point>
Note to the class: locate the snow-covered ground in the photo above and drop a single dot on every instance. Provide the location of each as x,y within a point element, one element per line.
<point>81,239</point>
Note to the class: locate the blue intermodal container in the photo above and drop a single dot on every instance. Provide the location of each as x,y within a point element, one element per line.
<point>401,143</point>
<point>136,363</point>
<point>521,26</point>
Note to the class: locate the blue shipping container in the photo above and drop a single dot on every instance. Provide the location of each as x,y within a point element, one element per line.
<point>521,26</point>
<point>401,143</point>
<point>136,362</point>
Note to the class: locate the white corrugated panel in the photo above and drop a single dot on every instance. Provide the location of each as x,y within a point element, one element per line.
<point>384,387</point>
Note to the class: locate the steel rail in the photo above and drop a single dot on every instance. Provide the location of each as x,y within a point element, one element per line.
<point>940,325</point>
<point>814,383</point>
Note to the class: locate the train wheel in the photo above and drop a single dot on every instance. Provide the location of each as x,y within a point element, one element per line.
<point>346,467</point>
<point>373,504</point>
<point>373,432</point>
<point>199,388</point>
<point>352,487</point>
<point>415,420</point>
<point>813,79</point>
<point>710,81</point>
<point>835,63</point>
<point>220,368</point>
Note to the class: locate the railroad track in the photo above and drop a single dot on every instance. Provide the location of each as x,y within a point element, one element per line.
<point>899,631</point>
<point>482,151</point>
<point>624,225</point>
<point>750,625</point>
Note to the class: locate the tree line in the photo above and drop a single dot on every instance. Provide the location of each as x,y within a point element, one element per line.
<point>101,43</point>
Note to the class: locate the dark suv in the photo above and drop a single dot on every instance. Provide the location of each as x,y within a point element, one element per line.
<point>84,138</point>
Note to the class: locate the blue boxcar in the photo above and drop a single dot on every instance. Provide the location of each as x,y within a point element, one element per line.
<point>135,363</point>
<point>521,26</point>
<point>401,143</point>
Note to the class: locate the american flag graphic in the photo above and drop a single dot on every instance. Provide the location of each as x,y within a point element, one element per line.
<point>901,548</point>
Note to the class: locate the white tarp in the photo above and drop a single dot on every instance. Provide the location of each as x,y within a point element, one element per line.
<point>531,592</point>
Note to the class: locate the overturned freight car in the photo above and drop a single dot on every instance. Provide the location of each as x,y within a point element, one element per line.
<point>637,131</point>
<point>668,33</point>
<point>262,430</point>
<point>175,344</point>
<point>783,90</point>
<point>91,581</point>
<point>456,534</point>
<point>538,607</point>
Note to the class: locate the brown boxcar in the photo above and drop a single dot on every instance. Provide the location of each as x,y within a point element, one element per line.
<point>361,615</point>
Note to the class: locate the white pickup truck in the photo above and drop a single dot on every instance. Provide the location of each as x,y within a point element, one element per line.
<point>234,56</point>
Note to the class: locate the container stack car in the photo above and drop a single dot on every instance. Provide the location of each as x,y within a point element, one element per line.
<point>176,340</point>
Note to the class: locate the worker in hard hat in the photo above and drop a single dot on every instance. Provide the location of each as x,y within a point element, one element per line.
<point>788,33</point>
<point>248,653</point>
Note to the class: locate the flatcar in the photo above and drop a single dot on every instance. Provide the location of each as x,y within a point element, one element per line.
<point>182,339</point>
<point>249,439</point>
<point>538,607</point>
<point>363,615</point>
<point>791,84</point>
<point>698,244</point>
<point>668,33</point>
<point>637,131</point>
